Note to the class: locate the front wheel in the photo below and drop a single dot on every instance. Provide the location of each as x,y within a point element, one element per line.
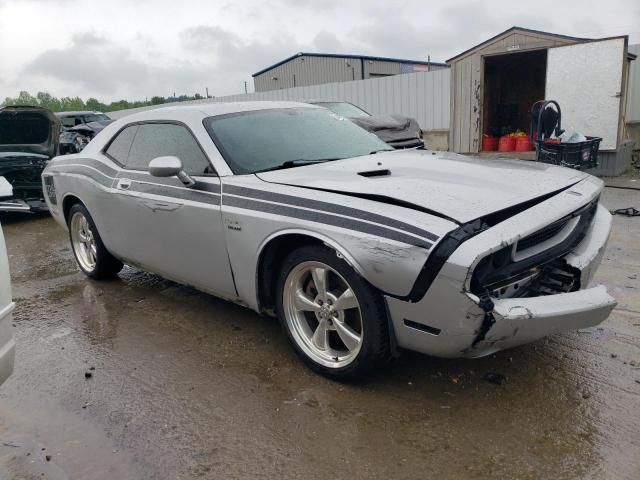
<point>335,320</point>
<point>91,255</point>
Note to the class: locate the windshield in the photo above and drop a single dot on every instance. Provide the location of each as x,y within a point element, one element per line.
<point>344,109</point>
<point>265,139</point>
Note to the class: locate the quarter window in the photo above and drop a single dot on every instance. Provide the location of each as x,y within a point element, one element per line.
<point>161,139</point>
<point>120,146</point>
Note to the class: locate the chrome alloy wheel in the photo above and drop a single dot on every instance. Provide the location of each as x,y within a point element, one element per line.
<point>83,241</point>
<point>323,314</point>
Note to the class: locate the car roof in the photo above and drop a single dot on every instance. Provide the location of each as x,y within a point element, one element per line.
<point>208,109</point>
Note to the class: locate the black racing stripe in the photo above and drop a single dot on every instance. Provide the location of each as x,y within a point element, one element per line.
<point>324,218</point>
<point>179,193</point>
<point>90,162</point>
<point>201,192</point>
<point>328,207</point>
<point>170,181</point>
<point>87,172</point>
<point>207,187</point>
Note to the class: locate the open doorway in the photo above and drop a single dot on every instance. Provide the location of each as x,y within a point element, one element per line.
<point>512,83</point>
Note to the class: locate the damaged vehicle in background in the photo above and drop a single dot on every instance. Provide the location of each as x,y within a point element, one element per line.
<point>359,249</point>
<point>28,139</point>
<point>79,128</point>
<point>396,130</point>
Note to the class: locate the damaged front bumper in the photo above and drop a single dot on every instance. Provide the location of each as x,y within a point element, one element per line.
<point>517,321</point>
<point>18,205</point>
<point>450,321</point>
<point>20,184</point>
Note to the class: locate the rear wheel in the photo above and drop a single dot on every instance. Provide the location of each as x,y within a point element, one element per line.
<point>335,320</point>
<point>91,255</point>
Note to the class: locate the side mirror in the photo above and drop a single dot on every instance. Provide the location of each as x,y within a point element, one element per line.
<point>170,166</point>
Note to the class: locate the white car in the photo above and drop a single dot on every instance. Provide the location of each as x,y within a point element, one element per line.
<point>360,250</point>
<point>7,344</point>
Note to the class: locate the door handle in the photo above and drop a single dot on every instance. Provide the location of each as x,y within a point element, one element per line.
<point>124,184</point>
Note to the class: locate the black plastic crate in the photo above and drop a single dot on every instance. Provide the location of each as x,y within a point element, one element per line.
<point>581,155</point>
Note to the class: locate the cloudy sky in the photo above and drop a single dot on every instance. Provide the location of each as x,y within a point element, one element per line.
<point>133,50</point>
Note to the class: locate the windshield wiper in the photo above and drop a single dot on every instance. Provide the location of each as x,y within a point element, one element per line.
<point>296,163</point>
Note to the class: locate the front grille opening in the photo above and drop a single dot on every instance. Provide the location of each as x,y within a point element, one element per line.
<point>503,275</point>
<point>551,279</point>
<point>555,278</point>
<point>542,235</point>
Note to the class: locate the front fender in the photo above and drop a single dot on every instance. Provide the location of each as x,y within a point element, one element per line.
<point>389,266</point>
<point>329,242</point>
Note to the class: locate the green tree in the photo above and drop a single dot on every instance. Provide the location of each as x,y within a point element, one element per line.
<point>23,98</point>
<point>95,105</point>
<point>62,104</point>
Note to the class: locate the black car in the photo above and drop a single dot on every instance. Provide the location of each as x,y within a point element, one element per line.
<point>396,130</point>
<point>79,128</point>
<point>29,138</point>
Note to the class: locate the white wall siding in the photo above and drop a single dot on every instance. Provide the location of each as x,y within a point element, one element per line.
<point>422,95</point>
<point>633,94</point>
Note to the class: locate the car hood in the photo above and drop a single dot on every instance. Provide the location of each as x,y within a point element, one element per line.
<point>458,187</point>
<point>32,130</point>
<point>90,128</point>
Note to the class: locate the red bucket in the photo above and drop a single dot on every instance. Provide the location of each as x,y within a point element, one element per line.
<point>507,144</point>
<point>523,144</point>
<point>489,143</point>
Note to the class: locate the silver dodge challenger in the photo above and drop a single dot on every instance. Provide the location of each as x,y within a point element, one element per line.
<point>358,249</point>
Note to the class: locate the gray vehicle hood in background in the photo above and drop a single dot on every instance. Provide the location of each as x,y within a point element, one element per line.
<point>91,128</point>
<point>391,129</point>
<point>31,130</point>
<point>458,187</point>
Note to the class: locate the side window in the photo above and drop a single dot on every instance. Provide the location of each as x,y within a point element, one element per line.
<point>161,139</point>
<point>120,146</point>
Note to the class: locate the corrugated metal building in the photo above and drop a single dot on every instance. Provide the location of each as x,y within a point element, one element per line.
<point>305,69</point>
<point>422,95</point>
<point>494,85</point>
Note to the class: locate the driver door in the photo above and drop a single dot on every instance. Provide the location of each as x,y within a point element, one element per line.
<point>168,228</point>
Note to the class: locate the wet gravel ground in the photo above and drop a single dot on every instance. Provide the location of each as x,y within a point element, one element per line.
<point>183,385</point>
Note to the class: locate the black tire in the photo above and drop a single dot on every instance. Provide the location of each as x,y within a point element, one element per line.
<point>375,344</point>
<point>106,265</point>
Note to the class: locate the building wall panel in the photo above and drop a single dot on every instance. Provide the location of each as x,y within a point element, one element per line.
<point>633,93</point>
<point>423,95</point>
<point>313,70</point>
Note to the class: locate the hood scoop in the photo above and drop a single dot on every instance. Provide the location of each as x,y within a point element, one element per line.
<point>375,173</point>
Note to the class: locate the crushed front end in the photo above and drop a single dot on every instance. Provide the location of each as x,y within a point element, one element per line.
<point>514,282</point>
<point>20,183</point>
<point>29,137</point>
